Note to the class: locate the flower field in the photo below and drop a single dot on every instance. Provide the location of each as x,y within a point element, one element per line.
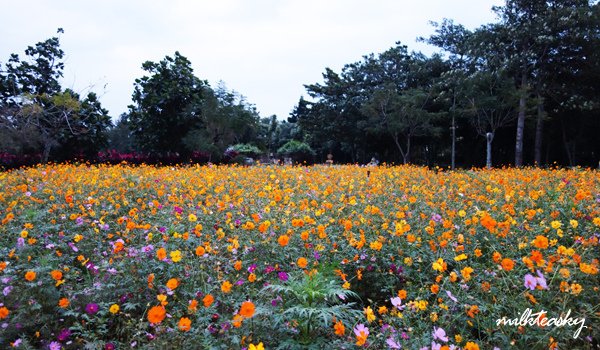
<point>266,257</point>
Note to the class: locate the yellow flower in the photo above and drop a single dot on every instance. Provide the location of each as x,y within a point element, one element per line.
<point>192,218</point>
<point>369,314</point>
<point>555,224</point>
<point>574,223</point>
<point>260,346</point>
<point>460,257</point>
<point>114,308</point>
<point>175,256</point>
<point>438,265</point>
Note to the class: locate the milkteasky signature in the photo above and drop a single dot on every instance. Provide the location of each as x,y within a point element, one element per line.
<point>528,318</point>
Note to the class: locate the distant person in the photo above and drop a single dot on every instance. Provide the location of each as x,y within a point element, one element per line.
<point>373,162</point>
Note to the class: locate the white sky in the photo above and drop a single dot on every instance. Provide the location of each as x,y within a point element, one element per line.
<point>264,49</point>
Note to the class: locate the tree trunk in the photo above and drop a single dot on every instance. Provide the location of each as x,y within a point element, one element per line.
<point>46,151</point>
<point>539,132</point>
<point>488,159</point>
<point>407,158</point>
<point>566,144</point>
<point>521,121</point>
<point>397,142</point>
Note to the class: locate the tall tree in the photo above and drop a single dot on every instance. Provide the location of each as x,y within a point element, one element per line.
<point>167,104</point>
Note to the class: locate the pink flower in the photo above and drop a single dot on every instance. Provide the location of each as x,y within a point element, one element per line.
<point>397,302</point>
<point>452,297</point>
<point>361,331</point>
<point>530,281</point>
<point>541,280</point>
<point>439,333</point>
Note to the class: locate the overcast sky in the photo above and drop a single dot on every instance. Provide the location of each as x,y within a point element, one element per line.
<point>264,49</point>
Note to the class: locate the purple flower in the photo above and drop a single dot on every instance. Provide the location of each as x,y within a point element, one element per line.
<point>530,281</point>
<point>452,297</point>
<point>109,346</point>
<point>91,308</point>
<point>64,335</point>
<point>6,291</point>
<point>283,276</point>
<point>72,245</point>
<point>54,346</point>
<point>437,218</point>
<point>251,268</point>
<point>439,333</point>
<point>392,344</point>
<point>79,221</point>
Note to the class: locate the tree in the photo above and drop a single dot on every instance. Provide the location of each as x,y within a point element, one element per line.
<point>35,109</point>
<point>492,96</point>
<point>401,115</point>
<point>91,135</point>
<point>167,104</point>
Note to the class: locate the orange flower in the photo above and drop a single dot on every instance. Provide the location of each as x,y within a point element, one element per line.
<point>466,273</point>
<point>4,312</point>
<point>208,300</point>
<point>339,328</point>
<point>402,294</point>
<point>237,320</point>
<point>247,309</point>
<point>507,264</point>
<point>251,277</point>
<point>200,250</point>
<point>472,311</point>
<point>496,257</point>
<point>30,276</point>
<point>161,254</point>
<point>63,303</point>
<point>185,324</point>
<point>56,275</point>
<point>302,262</point>
<point>193,307</point>
<point>541,242</point>
<point>150,281</point>
<point>172,283</point>
<point>157,314</point>
<point>283,240</point>
<point>434,288</point>
<point>226,287</point>
<point>237,265</point>
<point>471,346</point>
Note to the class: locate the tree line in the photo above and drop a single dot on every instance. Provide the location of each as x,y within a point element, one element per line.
<point>524,90</point>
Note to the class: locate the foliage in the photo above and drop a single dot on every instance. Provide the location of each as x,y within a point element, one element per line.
<point>296,149</point>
